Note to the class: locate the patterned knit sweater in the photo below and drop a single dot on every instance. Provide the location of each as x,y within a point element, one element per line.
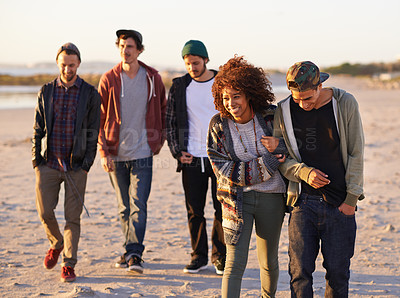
<point>233,174</point>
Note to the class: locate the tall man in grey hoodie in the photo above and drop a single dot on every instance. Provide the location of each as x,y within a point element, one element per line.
<point>132,127</point>
<point>323,132</point>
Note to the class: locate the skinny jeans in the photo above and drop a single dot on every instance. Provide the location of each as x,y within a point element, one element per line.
<point>266,211</point>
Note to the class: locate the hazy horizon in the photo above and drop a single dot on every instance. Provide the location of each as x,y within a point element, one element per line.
<point>98,67</point>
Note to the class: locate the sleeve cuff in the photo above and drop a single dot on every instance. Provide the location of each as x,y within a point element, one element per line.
<point>281,149</point>
<point>304,173</point>
<point>272,163</point>
<point>36,162</point>
<point>351,199</point>
<point>179,154</point>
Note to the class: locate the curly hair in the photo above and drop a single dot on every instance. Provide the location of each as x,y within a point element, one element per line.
<point>242,76</point>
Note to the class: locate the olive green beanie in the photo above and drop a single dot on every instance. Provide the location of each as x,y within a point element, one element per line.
<point>196,48</point>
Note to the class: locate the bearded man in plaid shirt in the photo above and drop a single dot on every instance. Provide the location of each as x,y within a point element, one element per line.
<point>64,143</point>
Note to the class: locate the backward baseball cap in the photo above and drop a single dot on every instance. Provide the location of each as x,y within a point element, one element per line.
<point>304,76</point>
<point>130,33</point>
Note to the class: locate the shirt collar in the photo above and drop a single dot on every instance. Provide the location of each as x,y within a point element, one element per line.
<point>77,83</point>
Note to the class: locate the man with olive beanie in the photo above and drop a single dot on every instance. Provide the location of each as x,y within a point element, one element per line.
<point>189,110</point>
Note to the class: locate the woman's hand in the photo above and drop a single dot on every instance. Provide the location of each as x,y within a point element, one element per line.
<point>271,143</point>
<point>281,157</point>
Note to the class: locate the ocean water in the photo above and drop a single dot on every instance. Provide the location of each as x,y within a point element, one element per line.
<point>20,97</point>
<point>278,83</point>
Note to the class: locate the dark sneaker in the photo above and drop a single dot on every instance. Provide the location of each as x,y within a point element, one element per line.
<point>121,263</point>
<point>219,266</point>
<point>195,266</point>
<point>135,264</point>
<point>51,258</point>
<point>68,274</point>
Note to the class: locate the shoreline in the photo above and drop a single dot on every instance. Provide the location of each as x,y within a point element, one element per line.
<point>20,100</point>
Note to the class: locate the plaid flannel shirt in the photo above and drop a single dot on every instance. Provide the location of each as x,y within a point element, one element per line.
<point>65,102</point>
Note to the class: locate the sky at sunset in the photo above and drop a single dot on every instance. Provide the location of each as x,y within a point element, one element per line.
<point>271,34</point>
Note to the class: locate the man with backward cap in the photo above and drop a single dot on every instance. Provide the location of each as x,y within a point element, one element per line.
<point>133,103</point>
<point>323,132</point>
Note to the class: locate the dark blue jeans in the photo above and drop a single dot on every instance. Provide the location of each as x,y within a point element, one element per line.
<point>132,182</point>
<point>314,222</point>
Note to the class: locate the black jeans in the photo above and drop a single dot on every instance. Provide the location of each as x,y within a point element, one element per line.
<point>315,224</point>
<point>195,178</point>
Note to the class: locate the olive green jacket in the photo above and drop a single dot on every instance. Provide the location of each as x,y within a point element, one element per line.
<point>349,126</point>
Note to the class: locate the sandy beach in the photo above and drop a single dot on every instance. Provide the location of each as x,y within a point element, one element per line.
<point>375,270</point>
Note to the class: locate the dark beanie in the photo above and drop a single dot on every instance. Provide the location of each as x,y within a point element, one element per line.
<point>71,47</point>
<point>196,48</point>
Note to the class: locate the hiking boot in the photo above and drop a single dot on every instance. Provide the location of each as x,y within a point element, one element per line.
<point>219,266</point>
<point>135,264</point>
<point>68,274</point>
<point>121,263</point>
<point>51,258</point>
<point>195,266</point>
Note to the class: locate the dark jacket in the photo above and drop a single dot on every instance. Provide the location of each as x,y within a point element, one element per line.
<point>177,117</point>
<point>86,126</point>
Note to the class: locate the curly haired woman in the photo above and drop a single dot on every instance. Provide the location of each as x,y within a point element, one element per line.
<point>245,159</point>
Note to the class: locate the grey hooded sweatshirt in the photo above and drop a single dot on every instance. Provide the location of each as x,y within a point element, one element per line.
<point>351,135</point>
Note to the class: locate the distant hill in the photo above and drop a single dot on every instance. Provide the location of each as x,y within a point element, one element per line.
<point>41,79</point>
<point>369,70</point>
<point>93,67</point>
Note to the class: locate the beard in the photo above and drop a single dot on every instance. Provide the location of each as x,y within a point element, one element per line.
<point>68,77</point>
<point>198,74</point>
